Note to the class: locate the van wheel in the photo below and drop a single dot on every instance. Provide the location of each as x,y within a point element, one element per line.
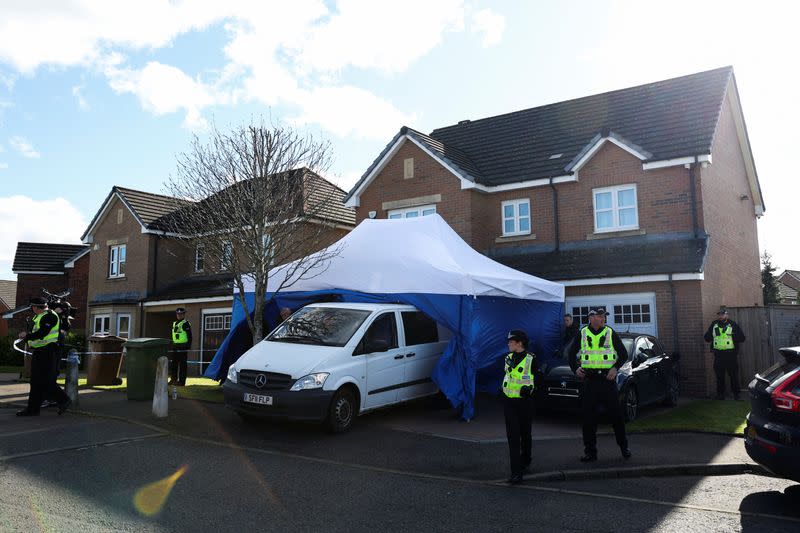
<point>342,411</point>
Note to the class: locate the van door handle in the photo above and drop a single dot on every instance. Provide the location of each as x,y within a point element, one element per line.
<point>412,354</point>
<point>400,356</point>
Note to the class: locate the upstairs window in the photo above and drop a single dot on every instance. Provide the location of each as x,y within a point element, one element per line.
<point>199,258</point>
<point>412,212</point>
<point>516,217</point>
<point>227,256</point>
<point>615,208</point>
<point>116,261</point>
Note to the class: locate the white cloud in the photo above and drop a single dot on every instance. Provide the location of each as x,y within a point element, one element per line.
<point>55,220</point>
<point>3,166</point>
<point>350,110</point>
<point>24,147</point>
<point>490,24</point>
<point>164,89</point>
<point>365,34</point>
<point>278,53</point>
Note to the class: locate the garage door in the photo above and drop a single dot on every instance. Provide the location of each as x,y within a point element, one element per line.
<point>634,312</point>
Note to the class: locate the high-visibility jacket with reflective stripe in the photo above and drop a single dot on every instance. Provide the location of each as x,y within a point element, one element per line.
<point>179,335</point>
<point>723,338</point>
<point>518,376</point>
<point>592,354</point>
<point>51,337</point>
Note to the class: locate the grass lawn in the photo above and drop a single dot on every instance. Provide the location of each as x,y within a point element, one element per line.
<point>699,415</point>
<point>195,389</point>
<point>10,369</point>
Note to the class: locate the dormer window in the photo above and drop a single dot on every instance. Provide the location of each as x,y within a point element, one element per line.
<point>615,208</point>
<point>199,258</point>
<point>116,261</point>
<point>516,217</point>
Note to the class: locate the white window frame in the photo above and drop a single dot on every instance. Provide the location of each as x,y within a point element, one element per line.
<point>614,209</point>
<point>116,266</point>
<point>200,258</point>
<point>419,209</point>
<point>120,316</point>
<point>103,319</point>
<point>226,257</point>
<point>516,217</point>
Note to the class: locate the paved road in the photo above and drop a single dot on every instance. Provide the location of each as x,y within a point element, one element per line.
<point>81,473</point>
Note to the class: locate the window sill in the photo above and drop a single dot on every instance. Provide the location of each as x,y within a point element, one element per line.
<point>614,234</point>
<point>516,238</point>
<point>113,278</point>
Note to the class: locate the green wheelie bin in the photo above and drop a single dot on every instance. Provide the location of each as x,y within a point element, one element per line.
<point>140,362</point>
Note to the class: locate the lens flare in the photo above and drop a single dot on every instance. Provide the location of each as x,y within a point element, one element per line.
<point>150,499</point>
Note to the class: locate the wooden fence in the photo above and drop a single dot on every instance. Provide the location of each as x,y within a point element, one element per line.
<point>767,329</point>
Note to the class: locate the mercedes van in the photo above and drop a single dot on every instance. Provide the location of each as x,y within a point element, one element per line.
<point>330,362</point>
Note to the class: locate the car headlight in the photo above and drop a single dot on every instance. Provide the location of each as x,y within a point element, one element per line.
<point>233,374</point>
<point>311,381</point>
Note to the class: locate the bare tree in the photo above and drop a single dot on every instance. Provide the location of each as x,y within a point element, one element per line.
<point>256,205</point>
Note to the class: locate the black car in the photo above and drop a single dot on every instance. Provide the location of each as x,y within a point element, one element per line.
<point>772,434</point>
<point>649,376</point>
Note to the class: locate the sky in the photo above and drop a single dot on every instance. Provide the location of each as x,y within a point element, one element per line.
<point>99,93</point>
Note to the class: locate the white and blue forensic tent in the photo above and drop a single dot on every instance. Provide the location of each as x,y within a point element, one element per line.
<point>422,262</point>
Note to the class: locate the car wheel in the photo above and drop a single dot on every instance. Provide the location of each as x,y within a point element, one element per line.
<point>630,404</point>
<point>673,391</point>
<point>342,411</point>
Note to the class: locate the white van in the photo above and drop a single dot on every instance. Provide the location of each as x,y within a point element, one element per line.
<point>332,361</point>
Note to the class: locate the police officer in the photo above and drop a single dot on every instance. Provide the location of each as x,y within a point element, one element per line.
<point>181,341</point>
<point>518,383</point>
<point>725,336</point>
<point>595,357</point>
<point>43,340</point>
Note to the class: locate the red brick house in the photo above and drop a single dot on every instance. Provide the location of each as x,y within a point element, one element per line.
<point>56,268</point>
<point>643,199</point>
<point>140,272</point>
<point>8,297</point>
<point>788,286</point>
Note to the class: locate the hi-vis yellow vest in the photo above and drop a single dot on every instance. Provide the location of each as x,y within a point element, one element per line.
<point>179,335</point>
<point>723,338</point>
<point>518,376</point>
<point>51,337</point>
<point>594,356</point>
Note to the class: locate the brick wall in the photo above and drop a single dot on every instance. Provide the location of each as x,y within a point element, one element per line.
<point>78,283</point>
<point>109,231</point>
<point>663,197</point>
<point>30,286</point>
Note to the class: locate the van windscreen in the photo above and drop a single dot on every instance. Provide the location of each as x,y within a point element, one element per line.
<point>322,326</point>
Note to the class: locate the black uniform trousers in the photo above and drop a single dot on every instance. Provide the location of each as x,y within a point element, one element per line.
<point>44,368</point>
<point>177,363</point>
<point>518,414</point>
<point>725,363</point>
<point>598,391</point>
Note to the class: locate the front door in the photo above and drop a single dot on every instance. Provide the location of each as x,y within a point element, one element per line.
<point>216,327</point>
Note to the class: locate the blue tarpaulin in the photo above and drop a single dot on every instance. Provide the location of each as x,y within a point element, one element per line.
<point>423,262</point>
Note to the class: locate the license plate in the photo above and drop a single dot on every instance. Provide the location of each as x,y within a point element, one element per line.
<point>257,398</point>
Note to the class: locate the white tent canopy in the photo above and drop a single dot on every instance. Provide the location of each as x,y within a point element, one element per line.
<point>415,255</point>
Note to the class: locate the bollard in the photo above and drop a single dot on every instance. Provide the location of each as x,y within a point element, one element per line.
<point>160,400</point>
<point>71,377</point>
